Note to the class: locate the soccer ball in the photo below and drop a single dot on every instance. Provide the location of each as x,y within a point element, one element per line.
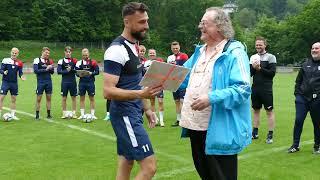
<point>87,118</point>
<point>7,117</point>
<point>69,114</point>
<point>255,59</point>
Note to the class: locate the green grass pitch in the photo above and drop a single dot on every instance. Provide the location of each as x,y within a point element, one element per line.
<point>72,150</point>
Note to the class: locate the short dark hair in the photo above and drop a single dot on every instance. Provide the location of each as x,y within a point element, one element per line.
<point>175,43</point>
<point>260,38</point>
<point>132,7</point>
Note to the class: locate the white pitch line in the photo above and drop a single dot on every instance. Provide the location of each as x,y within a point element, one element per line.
<point>112,138</point>
<point>240,157</point>
<point>102,135</point>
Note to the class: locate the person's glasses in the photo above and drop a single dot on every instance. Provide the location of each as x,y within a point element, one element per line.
<point>203,23</point>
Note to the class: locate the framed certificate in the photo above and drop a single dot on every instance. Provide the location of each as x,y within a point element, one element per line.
<point>169,75</point>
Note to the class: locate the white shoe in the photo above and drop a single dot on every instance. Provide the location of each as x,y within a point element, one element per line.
<point>161,124</point>
<point>74,116</point>
<point>15,118</point>
<point>107,118</point>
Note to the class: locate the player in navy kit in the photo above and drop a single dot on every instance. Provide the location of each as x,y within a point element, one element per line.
<point>122,74</point>
<point>43,67</point>
<point>66,67</point>
<point>10,69</point>
<point>86,83</point>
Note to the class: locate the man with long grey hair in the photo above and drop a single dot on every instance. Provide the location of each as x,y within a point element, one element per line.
<point>216,110</point>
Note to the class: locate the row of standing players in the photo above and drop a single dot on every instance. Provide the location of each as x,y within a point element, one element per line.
<point>43,67</point>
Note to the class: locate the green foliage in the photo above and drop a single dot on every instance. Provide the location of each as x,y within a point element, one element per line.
<point>272,8</point>
<point>289,39</point>
<point>246,18</point>
<point>100,21</point>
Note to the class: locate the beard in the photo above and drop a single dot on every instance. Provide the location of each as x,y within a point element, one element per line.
<point>138,35</point>
<point>315,57</point>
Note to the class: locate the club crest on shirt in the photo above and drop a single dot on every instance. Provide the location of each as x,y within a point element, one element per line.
<point>13,67</point>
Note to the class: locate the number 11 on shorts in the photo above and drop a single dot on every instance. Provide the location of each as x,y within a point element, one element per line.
<point>145,148</point>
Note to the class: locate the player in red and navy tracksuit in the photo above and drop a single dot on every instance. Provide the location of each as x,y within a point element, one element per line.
<point>43,67</point>
<point>177,58</point>
<point>86,83</point>
<point>10,69</point>
<point>66,67</point>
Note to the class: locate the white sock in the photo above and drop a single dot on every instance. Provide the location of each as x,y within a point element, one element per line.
<point>92,112</point>
<point>161,116</point>
<point>178,117</point>
<point>13,112</point>
<point>108,114</point>
<point>82,112</point>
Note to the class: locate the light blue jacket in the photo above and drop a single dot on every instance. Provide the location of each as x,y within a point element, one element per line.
<point>229,129</point>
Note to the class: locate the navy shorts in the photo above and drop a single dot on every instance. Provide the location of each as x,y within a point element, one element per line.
<point>179,94</point>
<point>259,98</point>
<point>44,86</point>
<point>132,139</point>
<point>160,95</point>
<point>9,86</point>
<point>69,87</point>
<point>87,87</point>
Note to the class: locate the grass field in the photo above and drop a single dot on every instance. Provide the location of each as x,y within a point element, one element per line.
<point>72,150</point>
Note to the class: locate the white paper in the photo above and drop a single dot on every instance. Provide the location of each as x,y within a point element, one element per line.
<point>169,75</point>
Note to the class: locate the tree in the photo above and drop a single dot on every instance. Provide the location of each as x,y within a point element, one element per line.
<point>10,22</point>
<point>246,18</point>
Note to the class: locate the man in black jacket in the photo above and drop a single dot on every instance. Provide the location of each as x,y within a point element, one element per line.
<point>307,93</point>
<point>263,69</point>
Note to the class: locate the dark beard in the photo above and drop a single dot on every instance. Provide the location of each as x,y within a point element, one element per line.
<point>138,36</point>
